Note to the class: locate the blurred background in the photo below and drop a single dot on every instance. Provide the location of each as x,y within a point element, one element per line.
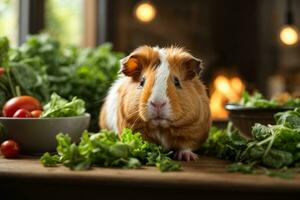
<point>244,44</point>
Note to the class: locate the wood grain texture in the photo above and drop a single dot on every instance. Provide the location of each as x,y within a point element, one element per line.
<point>206,172</point>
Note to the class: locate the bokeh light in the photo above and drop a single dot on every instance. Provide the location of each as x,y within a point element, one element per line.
<point>289,35</point>
<point>145,12</point>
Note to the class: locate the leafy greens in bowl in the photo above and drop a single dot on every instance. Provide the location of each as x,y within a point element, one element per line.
<point>37,135</point>
<point>60,107</point>
<point>256,109</point>
<point>257,100</point>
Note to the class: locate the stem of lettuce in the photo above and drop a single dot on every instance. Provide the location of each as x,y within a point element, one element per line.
<point>18,91</point>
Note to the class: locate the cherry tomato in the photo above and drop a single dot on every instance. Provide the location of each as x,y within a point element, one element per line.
<point>22,113</point>
<point>36,113</point>
<point>2,71</point>
<point>26,102</point>
<point>10,149</point>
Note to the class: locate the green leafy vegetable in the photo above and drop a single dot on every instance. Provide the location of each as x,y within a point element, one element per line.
<point>273,146</point>
<point>240,167</point>
<point>42,66</point>
<point>105,149</point>
<point>59,107</point>
<point>259,101</point>
<point>49,161</point>
<point>289,119</point>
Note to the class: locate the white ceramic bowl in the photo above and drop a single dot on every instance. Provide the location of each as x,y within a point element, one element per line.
<point>37,135</point>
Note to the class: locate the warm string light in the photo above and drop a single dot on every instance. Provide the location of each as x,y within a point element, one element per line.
<point>289,35</point>
<point>145,12</point>
<point>289,32</point>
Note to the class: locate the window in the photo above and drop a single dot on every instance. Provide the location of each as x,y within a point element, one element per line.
<point>64,20</point>
<point>9,20</point>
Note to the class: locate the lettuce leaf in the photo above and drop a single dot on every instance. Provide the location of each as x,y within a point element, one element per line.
<point>60,107</point>
<point>105,149</point>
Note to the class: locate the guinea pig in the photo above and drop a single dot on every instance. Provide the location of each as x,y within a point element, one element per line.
<point>160,95</point>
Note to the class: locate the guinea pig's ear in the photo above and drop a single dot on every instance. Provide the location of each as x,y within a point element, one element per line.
<point>193,67</point>
<point>132,65</point>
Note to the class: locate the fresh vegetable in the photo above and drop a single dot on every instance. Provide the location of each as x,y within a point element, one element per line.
<point>36,113</point>
<point>25,102</point>
<point>10,149</point>
<point>273,146</point>
<point>257,100</point>
<point>59,107</point>
<point>22,113</point>
<point>42,66</point>
<point>105,149</point>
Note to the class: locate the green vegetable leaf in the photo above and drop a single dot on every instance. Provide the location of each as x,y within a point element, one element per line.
<point>277,159</point>
<point>59,107</point>
<point>261,132</point>
<point>289,119</point>
<point>42,66</point>
<point>240,167</point>
<point>167,164</point>
<point>272,147</point>
<point>259,101</point>
<point>49,161</point>
<point>105,149</point>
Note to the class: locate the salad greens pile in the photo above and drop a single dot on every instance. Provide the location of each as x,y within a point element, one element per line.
<point>259,101</point>
<point>273,146</point>
<point>105,149</point>
<point>42,66</point>
<point>60,107</point>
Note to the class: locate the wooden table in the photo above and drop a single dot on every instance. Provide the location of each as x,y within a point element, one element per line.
<point>26,178</point>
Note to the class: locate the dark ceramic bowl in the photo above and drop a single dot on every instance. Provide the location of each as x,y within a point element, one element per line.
<point>243,118</point>
<point>37,135</point>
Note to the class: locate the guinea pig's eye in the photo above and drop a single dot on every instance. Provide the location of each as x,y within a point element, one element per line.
<point>177,82</point>
<point>142,82</point>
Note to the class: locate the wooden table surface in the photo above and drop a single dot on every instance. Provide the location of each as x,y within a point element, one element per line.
<point>207,176</point>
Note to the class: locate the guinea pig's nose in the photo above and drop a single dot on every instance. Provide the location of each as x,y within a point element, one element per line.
<point>157,104</point>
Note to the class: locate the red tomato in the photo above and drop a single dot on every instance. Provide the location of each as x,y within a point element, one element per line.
<point>10,149</point>
<point>2,71</point>
<point>36,113</point>
<point>22,113</point>
<point>26,102</point>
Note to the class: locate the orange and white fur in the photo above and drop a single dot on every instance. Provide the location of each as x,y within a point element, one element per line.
<point>160,95</point>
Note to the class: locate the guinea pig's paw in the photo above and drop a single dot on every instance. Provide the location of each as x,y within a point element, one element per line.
<point>185,155</point>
